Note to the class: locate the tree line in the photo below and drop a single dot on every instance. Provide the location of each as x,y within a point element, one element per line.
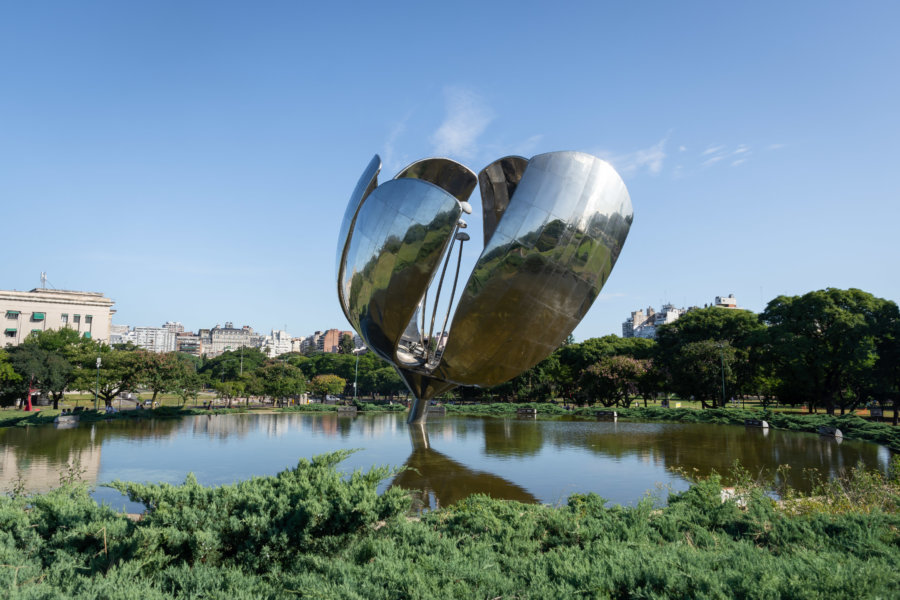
<point>830,349</point>
<point>54,362</point>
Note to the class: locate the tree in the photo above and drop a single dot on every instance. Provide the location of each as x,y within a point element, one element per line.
<point>324,385</point>
<point>346,344</point>
<point>47,371</point>
<point>886,380</point>
<point>159,372</point>
<point>119,372</point>
<point>281,381</point>
<point>229,390</point>
<point>388,382</point>
<point>701,369</point>
<point>740,329</point>
<point>7,373</point>
<point>821,343</point>
<point>613,380</point>
<point>230,365</point>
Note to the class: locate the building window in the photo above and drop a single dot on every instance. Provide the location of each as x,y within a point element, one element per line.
<point>88,319</point>
<point>37,316</point>
<point>76,318</point>
<point>35,331</point>
<point>10,332</point>
<point>64,318</point>
<point>12,314</point>
<point>87,335</point>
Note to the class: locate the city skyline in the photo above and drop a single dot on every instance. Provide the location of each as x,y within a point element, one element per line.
<point>193,162</point>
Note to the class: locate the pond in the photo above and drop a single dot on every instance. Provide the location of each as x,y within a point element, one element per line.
<point>451,457</point>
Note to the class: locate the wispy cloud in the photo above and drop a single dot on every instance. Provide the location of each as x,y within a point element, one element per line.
<point>466,119</point>
<point>392,162</point>
<point>735,156</point>
<point>775,146</point>
<point>648,159</point>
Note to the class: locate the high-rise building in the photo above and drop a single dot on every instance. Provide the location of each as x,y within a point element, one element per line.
<point>277,343</point>
<point>331,340</point>
<point>154,339</point>
<point>174,326</point>
<point>643,325</point>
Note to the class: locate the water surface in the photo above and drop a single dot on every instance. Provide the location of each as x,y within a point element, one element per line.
<point>450,457</point>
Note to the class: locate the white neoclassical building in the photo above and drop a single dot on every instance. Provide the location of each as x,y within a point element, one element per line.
<point>88,313</point>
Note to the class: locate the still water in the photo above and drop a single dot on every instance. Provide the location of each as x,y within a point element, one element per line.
<point>525,460</point>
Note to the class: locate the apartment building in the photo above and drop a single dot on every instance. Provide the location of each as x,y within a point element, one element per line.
<point>88,313</point>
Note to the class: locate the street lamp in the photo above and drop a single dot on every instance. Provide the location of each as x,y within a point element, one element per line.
<point>355,377</point>
<point>97,389</point>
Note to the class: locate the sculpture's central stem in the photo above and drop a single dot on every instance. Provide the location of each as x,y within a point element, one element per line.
<point>417,411</point>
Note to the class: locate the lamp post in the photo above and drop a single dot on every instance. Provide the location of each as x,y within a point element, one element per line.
<point>97,389</point>
<point>355,377</point>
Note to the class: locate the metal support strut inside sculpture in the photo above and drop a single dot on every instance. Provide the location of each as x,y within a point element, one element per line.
<point>554,226</point>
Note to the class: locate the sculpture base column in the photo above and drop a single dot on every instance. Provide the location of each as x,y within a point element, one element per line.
<point>418,410</point>
<point>423,389</point>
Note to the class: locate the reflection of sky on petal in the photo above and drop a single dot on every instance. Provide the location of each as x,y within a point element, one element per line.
<point>548,460</point>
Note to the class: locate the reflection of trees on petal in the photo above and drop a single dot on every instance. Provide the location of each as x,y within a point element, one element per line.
<point>438,480</point>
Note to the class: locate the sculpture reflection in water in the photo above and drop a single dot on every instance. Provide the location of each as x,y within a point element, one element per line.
<point>438,480</point>
<point>553,225</point>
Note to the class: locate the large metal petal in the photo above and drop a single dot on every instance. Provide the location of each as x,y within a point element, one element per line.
<point>399,236</point>
<point>456,179</point>
<point>540,271</point>
<point>498,182</point>
<point>367,182</point>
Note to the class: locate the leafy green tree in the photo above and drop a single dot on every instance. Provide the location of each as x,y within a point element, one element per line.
<point>346,344</point>
<point>699,369</point>
<point>388,382</point>
<point>740,329</point>
<point>886,380</point>
<point>159,372</point>
<point>613,380</point>
<point>47,371</point>
<point>281,381</point>
<point>119,372</point>
<point>7,372</point>
<point>229,390</point>
<point>323,385</point>
<point>188,385</point>
<point>821,343</point>
<point>230,365</point>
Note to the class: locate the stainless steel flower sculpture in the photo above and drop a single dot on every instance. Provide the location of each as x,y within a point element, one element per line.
<point>554,226</point>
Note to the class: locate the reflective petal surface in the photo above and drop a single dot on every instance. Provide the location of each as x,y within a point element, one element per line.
<point>554,227</point>
<point>543,267</point>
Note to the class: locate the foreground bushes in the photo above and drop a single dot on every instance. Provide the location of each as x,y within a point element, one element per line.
<point>311,532</point>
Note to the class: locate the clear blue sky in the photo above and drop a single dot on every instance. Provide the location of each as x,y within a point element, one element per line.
<point>192,160</point>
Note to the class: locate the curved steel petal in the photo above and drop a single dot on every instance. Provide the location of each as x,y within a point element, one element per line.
<point>399,237</point>
<point>458,180</point>
<point>498,183</point>
<point>541,270</point>
<point>367,182</point>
